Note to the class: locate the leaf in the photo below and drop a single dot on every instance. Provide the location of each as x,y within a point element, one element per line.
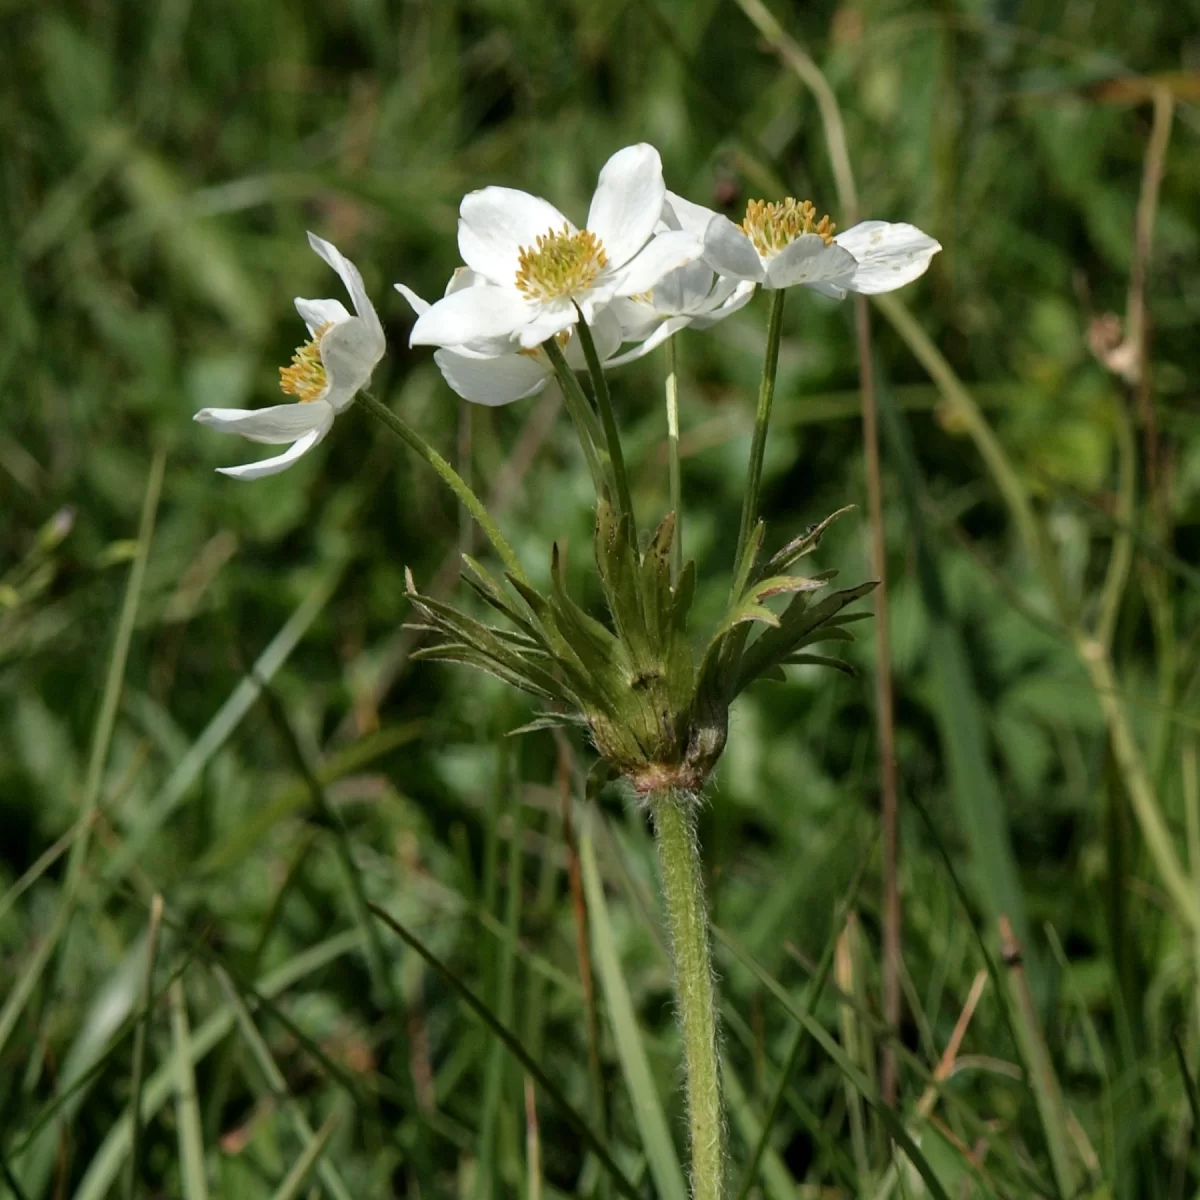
<point>820,660</point>
<point>798,625</point>
<point>806,543</point>
<point>648,1112</point>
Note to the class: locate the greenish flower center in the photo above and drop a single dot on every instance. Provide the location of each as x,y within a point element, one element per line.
<point>771,226</point>
<point>560,263</point>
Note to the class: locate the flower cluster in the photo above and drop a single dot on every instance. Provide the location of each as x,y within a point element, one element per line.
<point>646,264</point>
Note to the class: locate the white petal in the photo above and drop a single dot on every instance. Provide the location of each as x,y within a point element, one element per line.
<point>669,327</point>
<point>316,313</point>
<point>730,252</point>
<point>349,353</point>
<point>419,306</point>
<point>628,202</point>
<point>495,223</point>
<point>473,313</point>
<point>281,462</point>
<point>637,318</point>
<point>684,291</point>
<point>275,426</point>
<point>464,277</point>
<point>809,260</point>
<point>493,381</point>
<point>553,317</point>
<point>350,277</point>
<point>740,297</point>
<point>694,218</point>
<point>664,253</point>
<point>889,256</point>
<point>607,335</point>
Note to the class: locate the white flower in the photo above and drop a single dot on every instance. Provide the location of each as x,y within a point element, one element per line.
<point>541,266</point>
<point>780,245</point>
<point>484,374</point>
<point>325,375</point>
<point>693,295</point>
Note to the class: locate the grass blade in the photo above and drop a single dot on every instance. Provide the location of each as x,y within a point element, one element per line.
<point>518,1051</point>
<point>217,732</point>
<point>294,1180</point>
<point>889,1117</point>
<point>106,1163</point>
<point>647,1106</point>
<point>187,1107</point>
<point>139,1047</point>
<point>961,724</point>
<point>275,1081</point>
<point>101,737</point>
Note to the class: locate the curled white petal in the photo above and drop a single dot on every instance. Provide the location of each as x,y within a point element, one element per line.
<point>273,426</point>
<point>627,202</point>
<point>318,313</point>
<point>808,260</point>
<point>352,279</point>
<point>419,306</point>
<point>739,297</point>
<point>281,462</point>
<point>495,223</point>
<point>888,256</point>
<point>554,316</point>
<point>349,352</point>
<point>664,253</point>
<point>472,313</point>
<point>493,381</point>
<point>692,218</point>
<point>668,328</point>
<point>730,252</point>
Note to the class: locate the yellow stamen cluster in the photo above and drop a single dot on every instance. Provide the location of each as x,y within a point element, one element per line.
<point>771,226</point>
<point>305,378</point>
<point>560,263</point>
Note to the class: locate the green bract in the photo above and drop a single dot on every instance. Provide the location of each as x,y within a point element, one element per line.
<point>658,716</point>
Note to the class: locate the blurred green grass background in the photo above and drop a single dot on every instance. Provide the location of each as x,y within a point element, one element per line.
<point>161,165</point>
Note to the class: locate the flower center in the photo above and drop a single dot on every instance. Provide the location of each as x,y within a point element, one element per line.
<point>560,263</point>
<point>772,226</point>
<point>305,378</point>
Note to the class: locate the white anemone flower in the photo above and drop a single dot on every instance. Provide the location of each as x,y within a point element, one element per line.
<point>691,296</point>
<point>780,245</point>
<point>483,373</point>
<point>325,375</point>
<point>542,267</point>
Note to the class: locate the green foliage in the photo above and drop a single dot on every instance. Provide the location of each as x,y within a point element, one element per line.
<point>162,163</point>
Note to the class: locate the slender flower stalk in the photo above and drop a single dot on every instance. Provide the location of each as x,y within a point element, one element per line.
<point>581,413</point>
<point>453,480</point>
<point>674,816</point>
<point>762,421</point>
<point>608,419</point>
<point>673,474</point>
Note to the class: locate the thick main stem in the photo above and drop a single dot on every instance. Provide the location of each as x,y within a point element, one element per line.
<point>762,421</point>
<point>674,816</point>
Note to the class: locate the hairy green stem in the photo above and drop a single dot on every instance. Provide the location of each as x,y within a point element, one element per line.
<point>762,421</point>
<point>450,477</point>
<point>674,816</point>
<point>608,420</point>
<point>586,425</point>
<point>672,389</point>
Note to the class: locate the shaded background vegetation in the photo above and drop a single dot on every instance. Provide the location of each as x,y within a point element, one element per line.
<point>161,164</point>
